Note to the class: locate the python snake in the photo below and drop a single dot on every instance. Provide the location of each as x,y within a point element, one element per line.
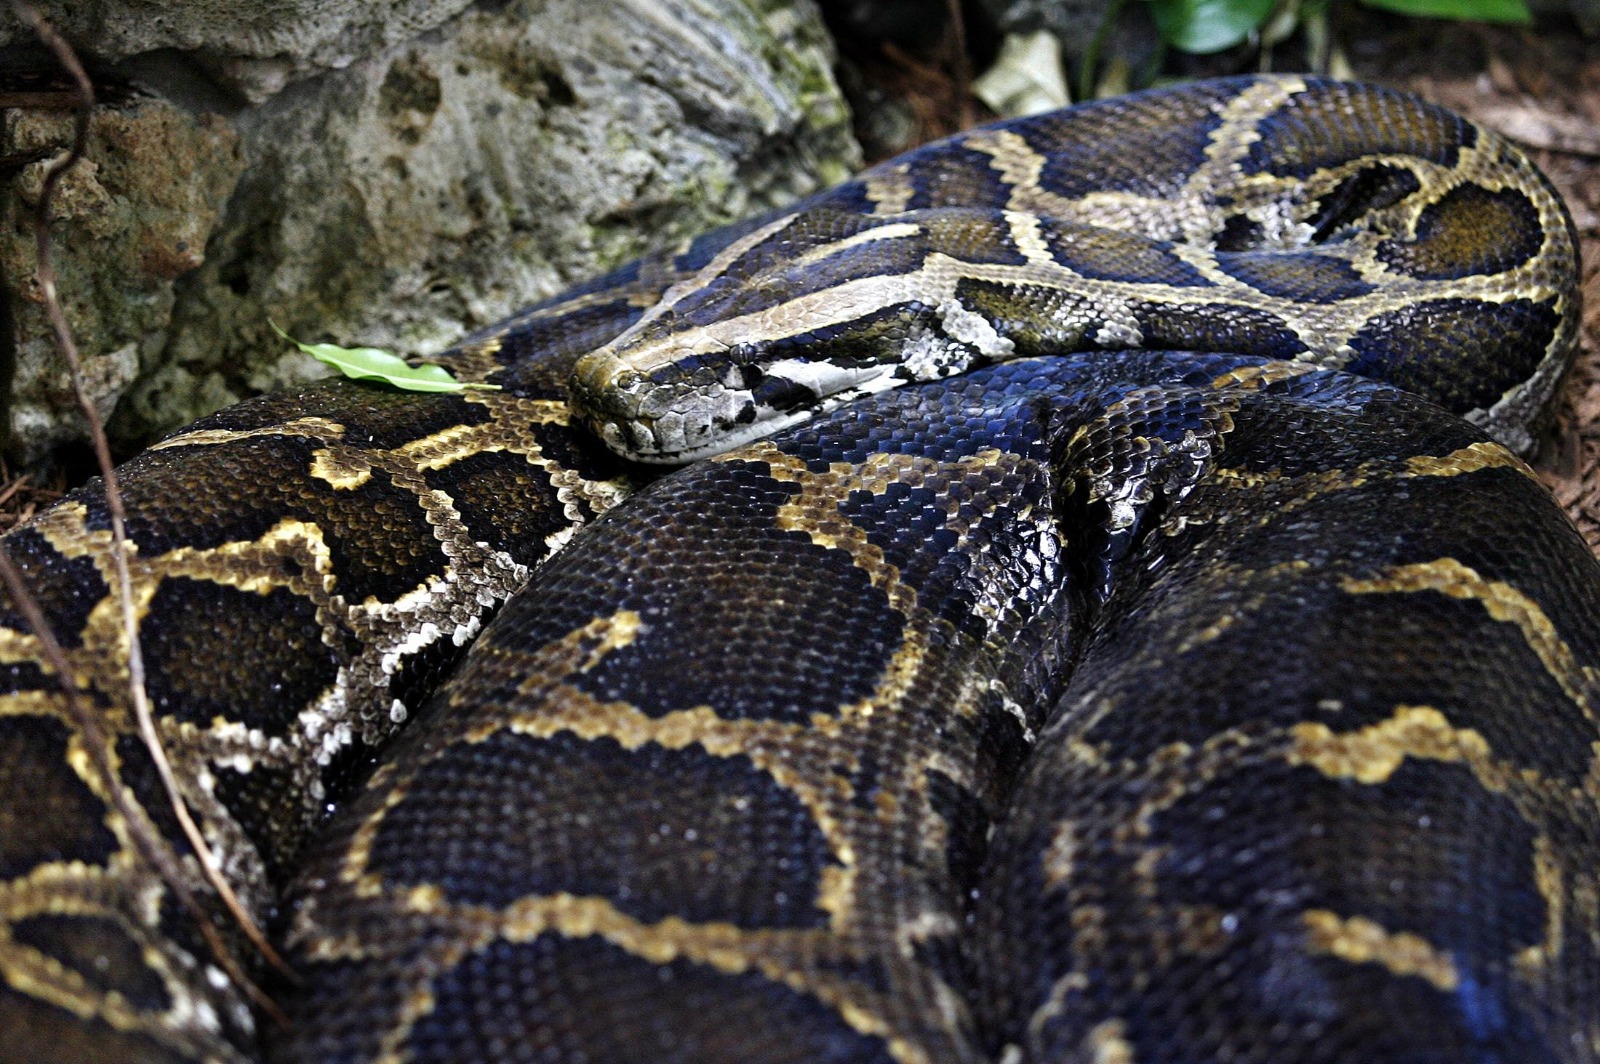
<point>1183,696</point>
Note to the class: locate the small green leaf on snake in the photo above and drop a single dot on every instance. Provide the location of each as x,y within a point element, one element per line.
<point>376,364</point>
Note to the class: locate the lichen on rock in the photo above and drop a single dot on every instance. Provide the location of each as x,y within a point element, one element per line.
<point>437,182</point>
<point>129,219</point>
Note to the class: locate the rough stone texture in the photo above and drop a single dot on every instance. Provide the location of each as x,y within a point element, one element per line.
<point>441,183</point>
<point>129,219</point>
<point>253,48</point>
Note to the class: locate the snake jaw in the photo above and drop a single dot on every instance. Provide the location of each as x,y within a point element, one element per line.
<point>696,405</point>
<point>671,423</point>
<point>673,415</point>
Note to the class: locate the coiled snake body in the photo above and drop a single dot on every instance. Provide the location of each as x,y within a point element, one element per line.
<point>1184,696</point>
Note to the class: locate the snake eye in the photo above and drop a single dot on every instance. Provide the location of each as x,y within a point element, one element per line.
<point>742,371</point>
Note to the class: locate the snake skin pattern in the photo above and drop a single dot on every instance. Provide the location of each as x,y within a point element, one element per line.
<point>1203,704</point>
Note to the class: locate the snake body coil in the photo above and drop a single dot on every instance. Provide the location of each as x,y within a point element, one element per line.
<point>1205,703</point>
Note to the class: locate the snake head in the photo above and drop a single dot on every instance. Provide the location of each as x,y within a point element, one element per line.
<point>789,329</point>
<point>668,396</point>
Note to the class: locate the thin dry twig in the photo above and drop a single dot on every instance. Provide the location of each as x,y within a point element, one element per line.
<point>120,548</point>
<point>99,751</point>
<point>962,66</point>
<point>12,488</point>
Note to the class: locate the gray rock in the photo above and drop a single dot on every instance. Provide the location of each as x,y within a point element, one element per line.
<point>438,185</point>
<point>128,220</point>
<point>255,49</point>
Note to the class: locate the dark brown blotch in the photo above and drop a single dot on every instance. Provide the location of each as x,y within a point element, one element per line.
<point>46,812</point>
<point>577,999</point>
<point>656,832</point>
<point>1470,231</point>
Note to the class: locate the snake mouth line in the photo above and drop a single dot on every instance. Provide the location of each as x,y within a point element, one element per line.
<point>710,410</point>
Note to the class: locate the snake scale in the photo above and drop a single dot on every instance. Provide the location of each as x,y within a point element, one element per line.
<point>1215,689</point>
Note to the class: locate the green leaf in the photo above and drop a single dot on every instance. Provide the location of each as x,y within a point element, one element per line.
<point>1514,11</point>
<point>376,364</point>
<point>1202,26</point>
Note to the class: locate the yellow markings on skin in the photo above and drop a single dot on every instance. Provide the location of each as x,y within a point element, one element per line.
<point>1108,1043</point>
<point>1362,941</point>
<point>474,363</point>
<point>1501,602</point>
<point>1536,963</point>
<point>65,527</point>
<point>1246,479</point>
<point>1026,235</point>
<point>427,898</point>
<point>558,707</point>
<point>1252,378</point>
<point>1013,157</point>
<point>788,753</point>
<point>448,446</point>
<point>247,565</point>
<point>1372,754</point>
<point>319,428</point>
<point>42,702</point>
<point>1467,459</point>
<point>876,234</point>
<point>1309,487</point>
<point>782,956</point>
<point>1060,854</point>
<point>815,510</point>
<point>1020,167</point>
<point>353,865</point>
<point>602,363</point>
<point>585,648</point>
<point>455,442</point>
<point>19,645</point>
<point>1239,128</point>
<point>38,975</point>
<point>572,711</point>
<point>1210,632</point>
<point>769,746</point>
<point>507,431</point>
<point>1074,982</point>
<point>343,470</point>
<point>1243,607</point>
<point>254,565</point>
<point>890,189</point>
<point>725,947</point>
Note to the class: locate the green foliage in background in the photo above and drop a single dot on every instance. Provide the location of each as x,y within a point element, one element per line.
<point>1202,26</point>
